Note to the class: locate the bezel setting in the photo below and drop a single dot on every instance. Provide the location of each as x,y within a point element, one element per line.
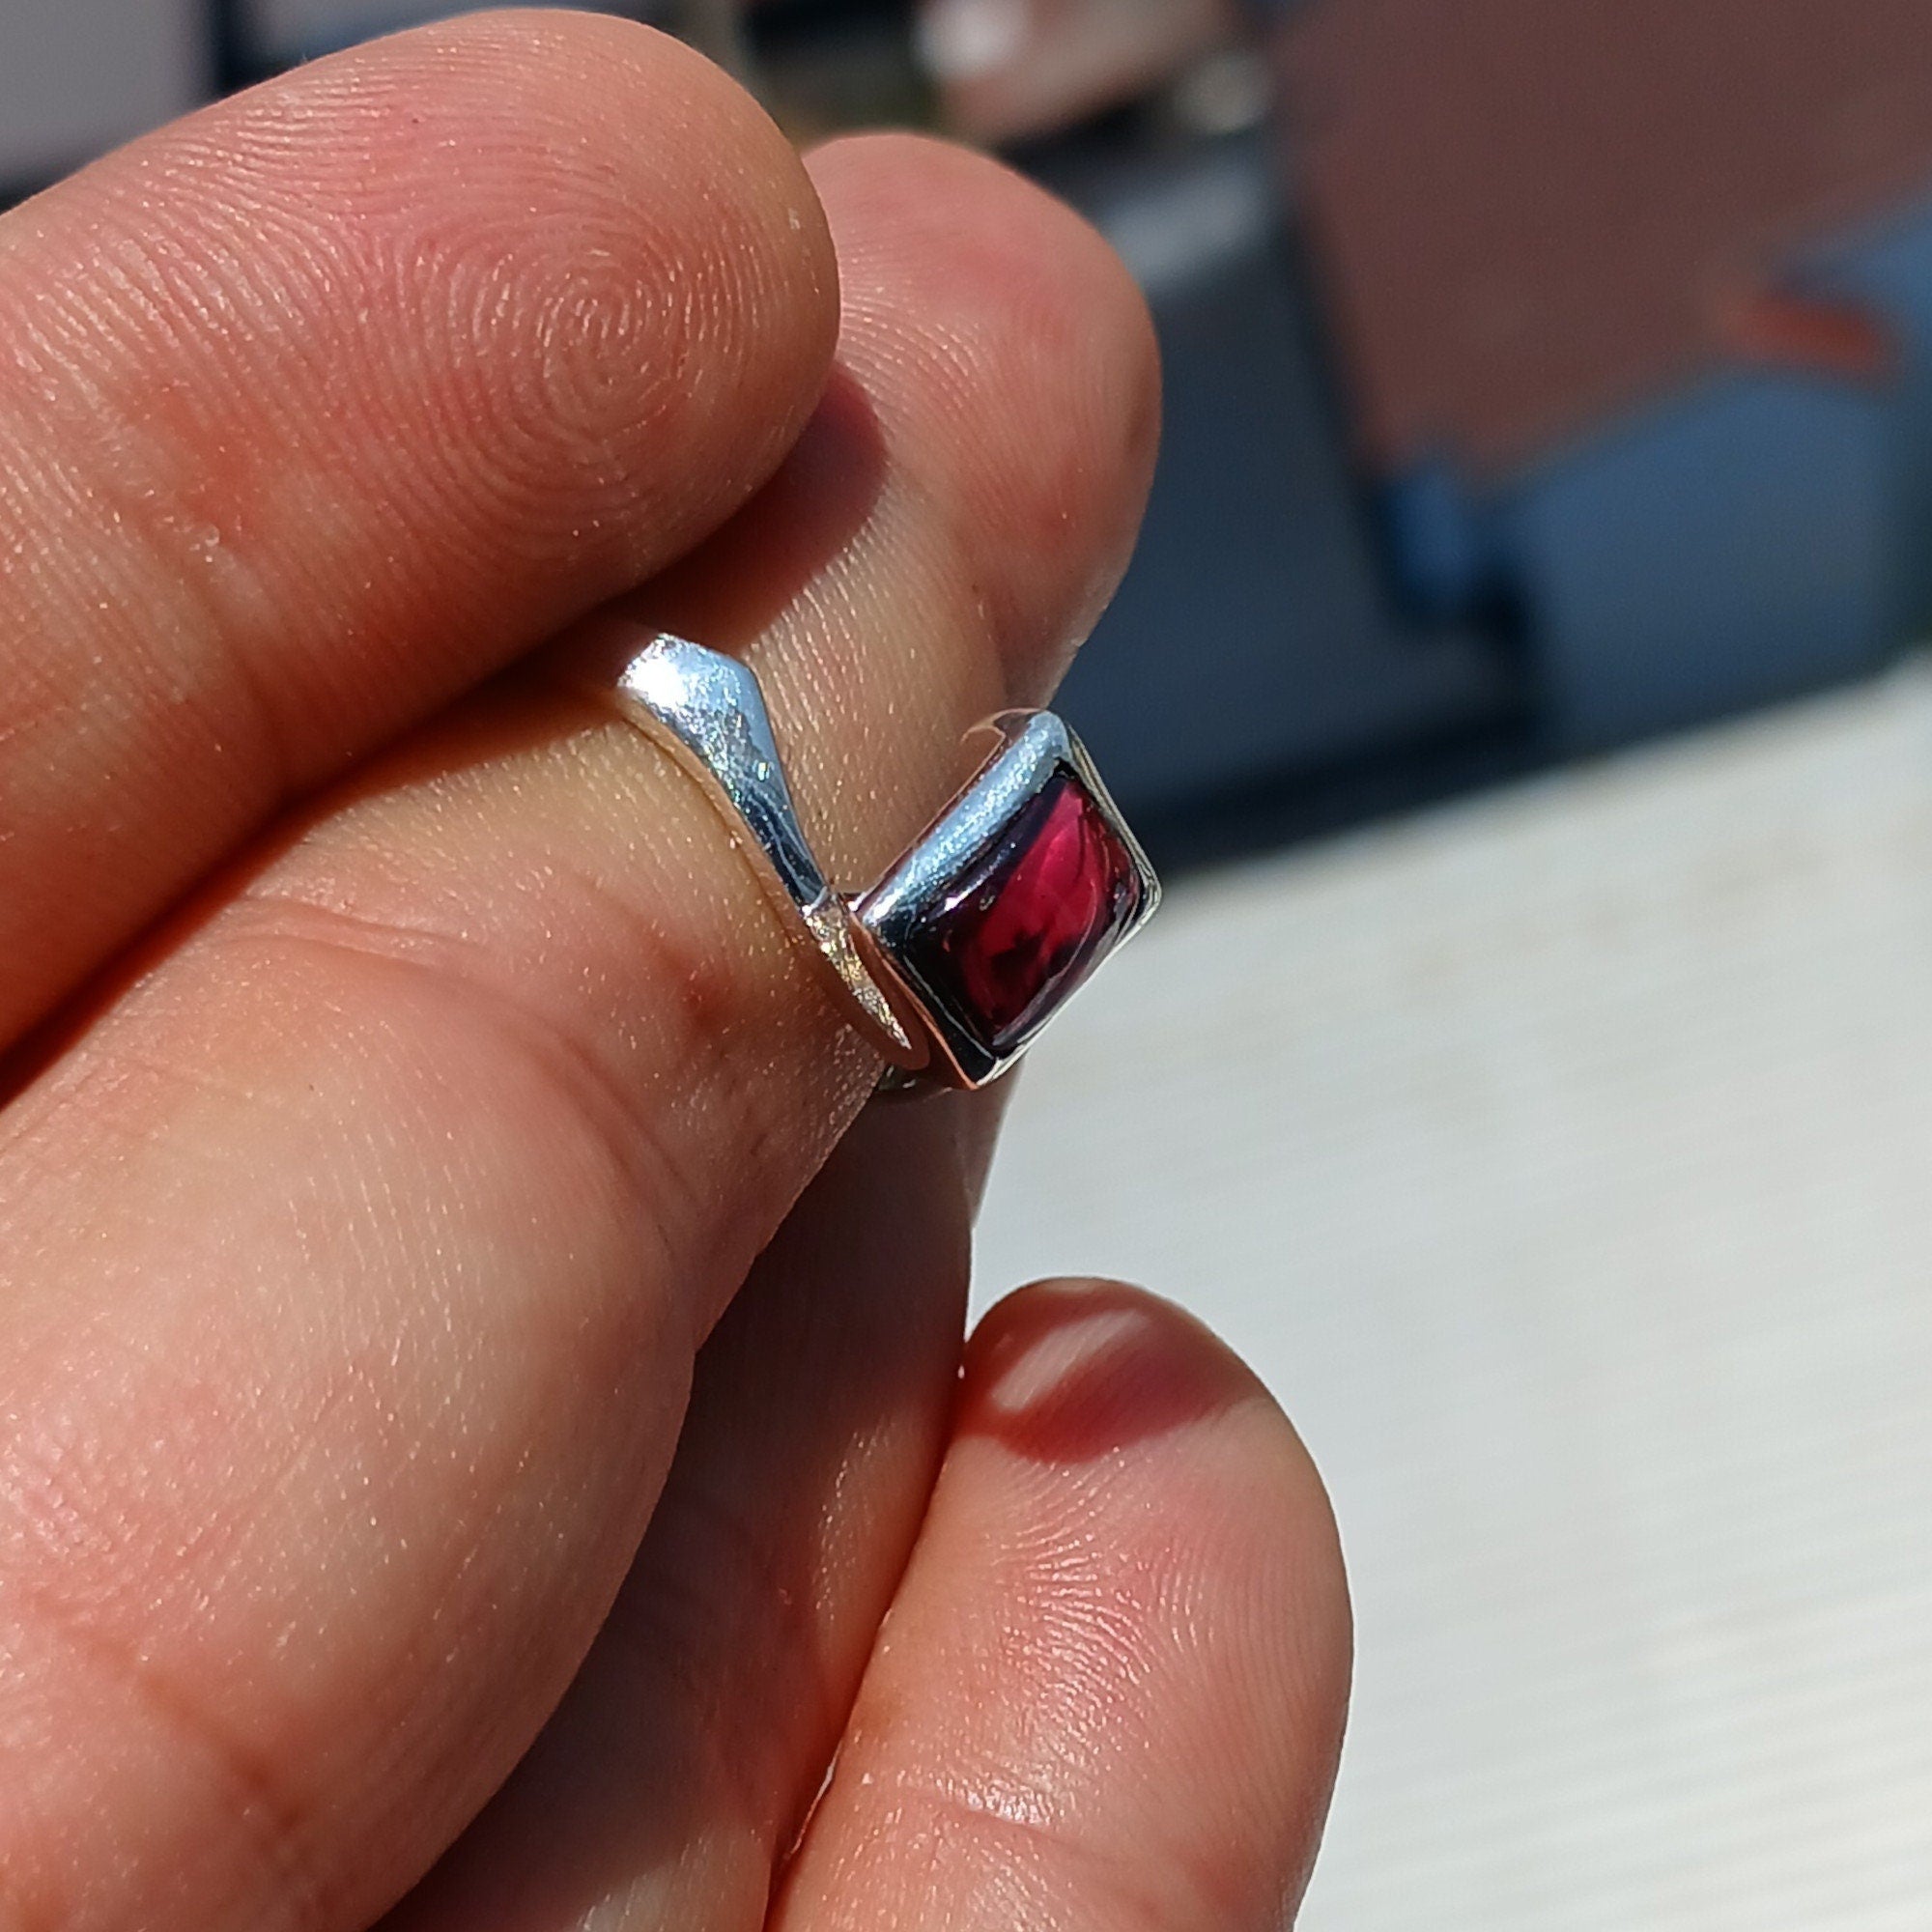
<point>947,891</point>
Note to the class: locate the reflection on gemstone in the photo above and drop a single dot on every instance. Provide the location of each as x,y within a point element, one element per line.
<point>1038,909</point>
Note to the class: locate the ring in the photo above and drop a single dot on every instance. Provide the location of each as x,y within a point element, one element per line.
<point>982,929</point>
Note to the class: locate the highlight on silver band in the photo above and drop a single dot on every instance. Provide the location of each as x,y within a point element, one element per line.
<point>709,712</point>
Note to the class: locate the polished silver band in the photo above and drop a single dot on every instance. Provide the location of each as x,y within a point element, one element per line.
<point>708,710</point>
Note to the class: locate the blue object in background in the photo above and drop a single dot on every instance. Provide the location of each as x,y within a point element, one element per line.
<point>1726,548</point>
<point>1889,268</point>
<point>1441,545</point>
<point>1760,534</point>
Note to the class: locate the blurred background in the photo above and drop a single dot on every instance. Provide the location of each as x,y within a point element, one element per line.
<point>1533,1071</point>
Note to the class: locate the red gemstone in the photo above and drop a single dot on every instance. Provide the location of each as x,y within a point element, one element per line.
<point>1036,914</point>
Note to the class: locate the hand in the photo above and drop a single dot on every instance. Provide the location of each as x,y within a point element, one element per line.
<point>364,1214</point>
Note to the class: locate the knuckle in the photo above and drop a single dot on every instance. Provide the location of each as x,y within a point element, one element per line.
<point>553,1035</point>
<point>72,1681</point>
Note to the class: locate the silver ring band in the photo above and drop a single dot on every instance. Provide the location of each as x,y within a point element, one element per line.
<point>1009,899</point>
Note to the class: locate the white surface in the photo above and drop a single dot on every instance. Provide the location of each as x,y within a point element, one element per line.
<point>1564,1161</point>
<point>78,75</point>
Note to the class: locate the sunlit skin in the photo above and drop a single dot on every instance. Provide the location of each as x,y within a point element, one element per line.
<point>409,1512</point>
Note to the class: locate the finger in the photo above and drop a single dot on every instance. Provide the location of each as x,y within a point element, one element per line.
<point>357,1255</point>
<point>321,405</point>
<point>1110,1690</point>
<point>682,1762</point>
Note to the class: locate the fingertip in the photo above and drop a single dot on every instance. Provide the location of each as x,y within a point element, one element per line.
<point>1002,319</point>
<point>1125,1630</point>
<point>567,292</point>
<point>616,238</point>
<point>1066,1370</point>
<point>1073,1374</point>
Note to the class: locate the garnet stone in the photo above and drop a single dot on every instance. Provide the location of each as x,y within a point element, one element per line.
<point>1036,910</point>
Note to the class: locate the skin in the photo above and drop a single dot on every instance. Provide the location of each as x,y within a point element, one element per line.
<point>486,1418</point>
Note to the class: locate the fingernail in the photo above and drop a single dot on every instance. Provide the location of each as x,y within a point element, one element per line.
<point>1056,1358</point>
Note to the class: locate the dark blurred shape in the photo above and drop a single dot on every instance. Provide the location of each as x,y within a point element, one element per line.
<point>1255,643</point>
<point>824,66</point>
<point>258,37</point>
<point>1633,300</point>
<point>1541,373</point>
<point>78,75</point>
